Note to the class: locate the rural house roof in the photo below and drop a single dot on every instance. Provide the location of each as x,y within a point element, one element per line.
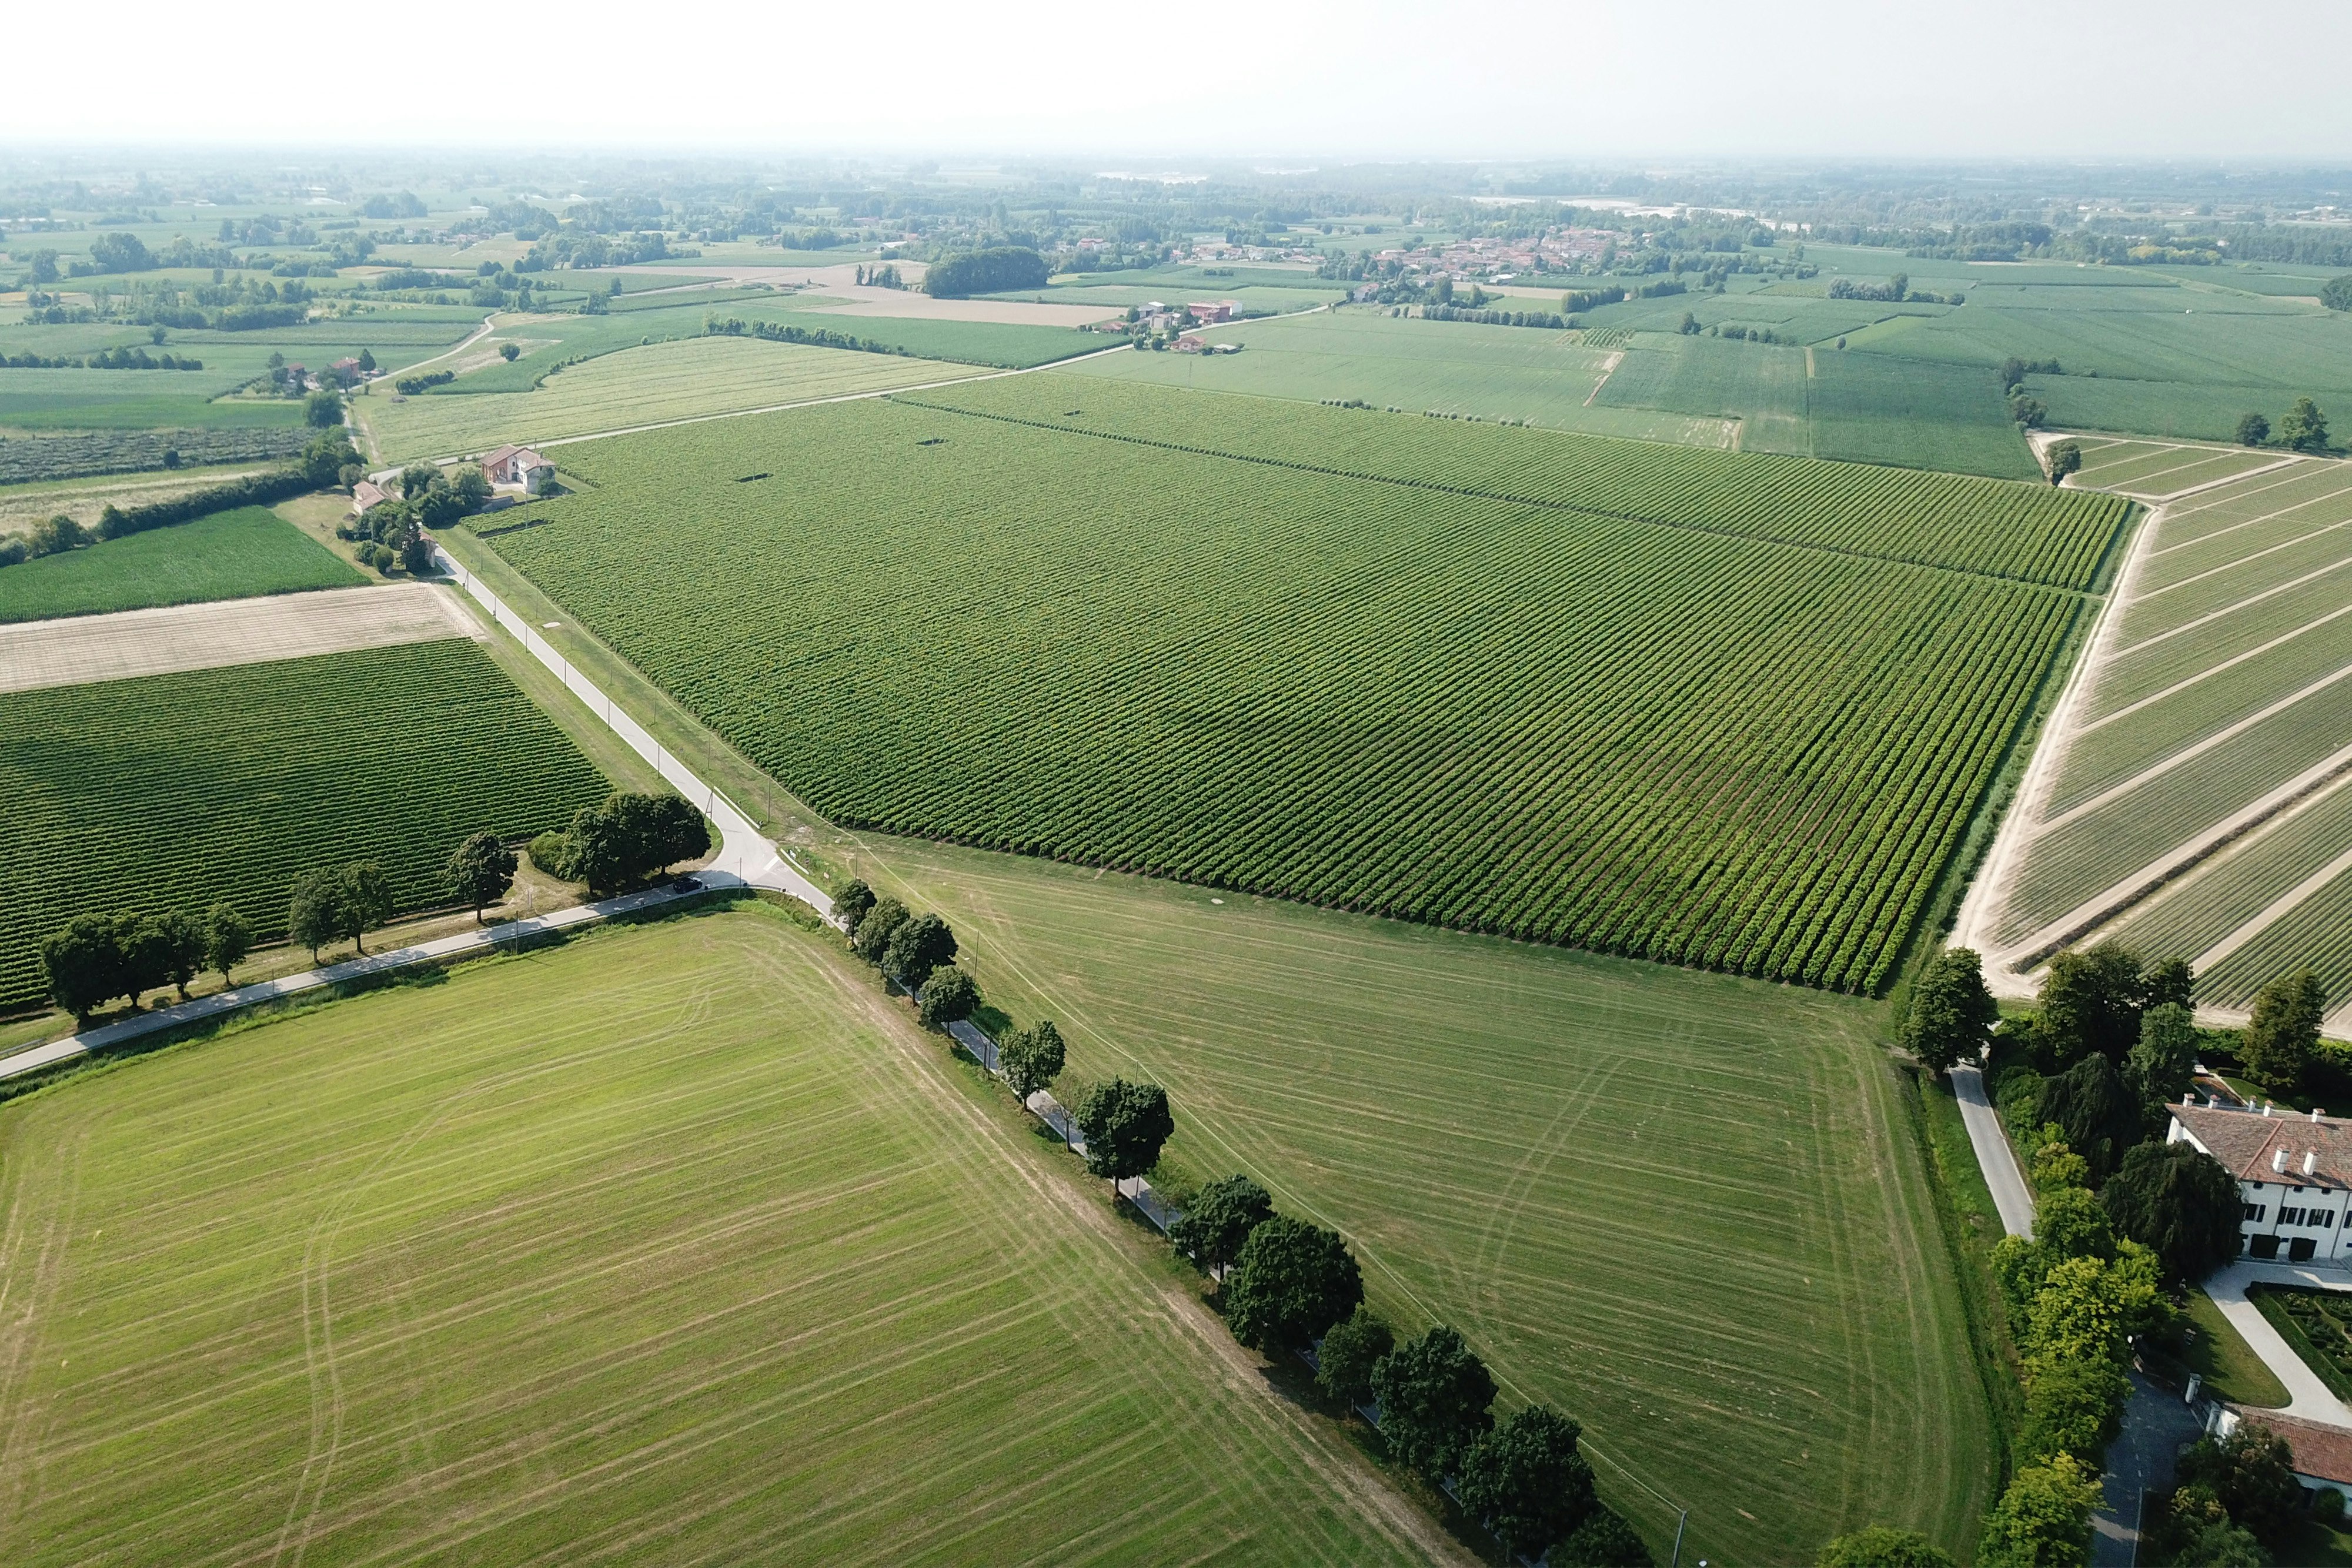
<point>2323,1453</point>
<point>2248,1144</point>
<point>366,494</point>
<point>493,458</point>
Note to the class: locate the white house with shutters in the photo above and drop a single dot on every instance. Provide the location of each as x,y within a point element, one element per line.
<point>2294,1174</point>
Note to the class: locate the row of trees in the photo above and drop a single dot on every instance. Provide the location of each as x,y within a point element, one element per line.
<point>1289,1286</point>
<point>96,958</point>
<point>2304,429</point>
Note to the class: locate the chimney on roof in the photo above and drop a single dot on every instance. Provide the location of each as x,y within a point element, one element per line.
<point>2266,1107</point>
<point>2310,1158</point>
<point>2278,1159</point>
<point>2314,1113</point>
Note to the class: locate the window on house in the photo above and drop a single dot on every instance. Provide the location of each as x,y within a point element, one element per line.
<point>2290,1216</point>
<point>2254,1211</point>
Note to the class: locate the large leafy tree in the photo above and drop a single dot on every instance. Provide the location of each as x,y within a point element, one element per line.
<point>850,902</point>
<point>1527,1482</point>
<point>1951,1013</point>
<point>2304,428</point>
<point>1881,1546</point>
<point>874,928</point>
<point>364,902</point>
<point>2098,1116</point>
<point>1434,1393</point>
<point>2090,1002</point>
<point>479,872</point>
<point>2179,1203</point>
<point>1350,1349</point>
<point>950,996</point>
<point>228,939</point>
<point>314,910</point>
<point>2043,1519</point>
<point>627,836</point>
<point>1291,1283</point>
<point>84,962</point>
<point>1220,1219</point>
<point>180,945</point>
<point>1032,1058</point>
<point>2252,1473</point>
<point>2163,1062</point>
<point>1124,1126</point>
<point>917,947</point>
<point>2285,1030</point>
<point>1604,1541</point>
<point>2075,1407</point>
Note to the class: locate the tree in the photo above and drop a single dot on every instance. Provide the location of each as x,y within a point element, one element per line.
<point>875,930</point>
<point>627,836</point>
<point>851,902</point>
<point>991,271</point>
<point>367,362</point>
<point>2075,1407</point>
<point>365,901</point>
<point>56,535</point>
<point>479,872</point>
<point>323,410</point>
<point>84,964</point>
<point>470,485</point>
<point>1290,1284</point>
<point>2253,430</point>
<point>1124,1126</point>
<point>950,995</point>
<point>2090,1002</point>
<point>2065,458</point>
<point>1350,1349</point>
<point>2043,1519</point>
<point>314,911</point>
<point>2162,1065</point>
<point>1604,1541</point>
<point>1220,1219</point>
<point>2285,1030</point>
<point>1527,1482</point>
<point>2172,983</point>
<point>2336,293</point>
<point>2098,1116</point>
<point>1031,1057</point>
<point>417,479</point>
<point>2252,1473</point>
<point>917,947</point>
<point>324,457</point>
<point>45,267</point>
<point>2070,1222</point>
<point>1434,1393</point>
<point>180,944</point>
<point>228,939</point>
<point>509,353</point>
<point>2304,429</point>
<point>1951,1014</point>
<point>1882,1547</point>
<point>417,556</point>
<point>2178,1202</point>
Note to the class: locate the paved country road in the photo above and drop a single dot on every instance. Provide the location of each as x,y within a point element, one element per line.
<point>2010,1193</point>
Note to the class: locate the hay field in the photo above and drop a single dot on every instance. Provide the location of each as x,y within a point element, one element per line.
<point>644,385</point>
<point>673,1244</point>
<point>1685,1207</point>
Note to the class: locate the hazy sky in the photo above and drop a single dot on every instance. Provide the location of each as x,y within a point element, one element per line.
<point>2105,78</point>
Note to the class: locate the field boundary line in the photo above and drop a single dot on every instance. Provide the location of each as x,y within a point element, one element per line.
<point>2250,522</point>
<point>1813,546</point>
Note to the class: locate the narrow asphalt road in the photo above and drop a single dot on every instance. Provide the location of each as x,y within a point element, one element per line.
<point>2011,1196</point>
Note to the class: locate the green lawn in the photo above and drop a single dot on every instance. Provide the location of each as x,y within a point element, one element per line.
<point>680,379</point>
<point>1688,1209</point>
<point>228,555</point>
<point>172,791</point>
<point>673,1244</point>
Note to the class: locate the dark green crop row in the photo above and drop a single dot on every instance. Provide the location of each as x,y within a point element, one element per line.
<point>172,791</point>
<point>1403,699</point>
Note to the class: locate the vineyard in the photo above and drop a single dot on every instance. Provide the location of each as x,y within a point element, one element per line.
<point>24,458</point>
<point>1387,696</point>
<point>2027,531</point>
<point>175,790</point>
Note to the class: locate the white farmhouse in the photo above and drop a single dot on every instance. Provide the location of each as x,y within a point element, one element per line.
<point>2294,1173</point>
<point>518,468</point>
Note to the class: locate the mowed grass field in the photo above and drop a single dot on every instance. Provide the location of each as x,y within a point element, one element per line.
<point>1684,1208</point>
<point>228,555</point>
<point>172,791</point>
<point>675,1244</point>
<point>640,386</point>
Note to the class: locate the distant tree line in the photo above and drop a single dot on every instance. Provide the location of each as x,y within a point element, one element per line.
<point>321,463</point>
<point>96,958</point>
<point>104,359</point>
<point>410,386</point>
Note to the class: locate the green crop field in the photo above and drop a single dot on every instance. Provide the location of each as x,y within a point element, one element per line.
<point>673,1244</point>
<point>669,381</point>
<point>1525,1142</point>
<point>130,400</point>
<point>170,791</point>
<point>228,555</point>
<point>1452,367</point>
<point>1383,694</point>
